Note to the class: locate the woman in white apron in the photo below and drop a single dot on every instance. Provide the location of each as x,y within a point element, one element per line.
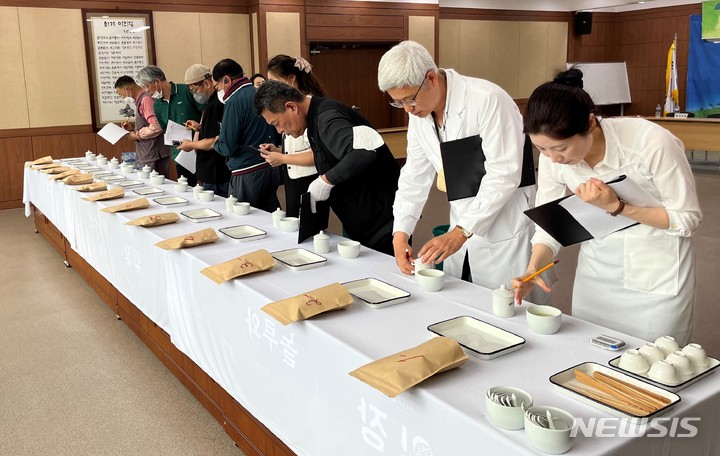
<point>640,280</point>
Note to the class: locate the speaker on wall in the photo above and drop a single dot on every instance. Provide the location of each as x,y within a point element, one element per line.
<point>583,23</point>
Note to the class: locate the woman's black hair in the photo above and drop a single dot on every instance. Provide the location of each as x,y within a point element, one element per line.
<point>283,66</point>
<point>258,75</point>
<point>561,108</point>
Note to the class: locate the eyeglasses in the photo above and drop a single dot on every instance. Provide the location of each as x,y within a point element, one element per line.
<point>411,102</point>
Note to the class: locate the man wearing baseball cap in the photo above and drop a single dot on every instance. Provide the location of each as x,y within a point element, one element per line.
<point>211,169</point>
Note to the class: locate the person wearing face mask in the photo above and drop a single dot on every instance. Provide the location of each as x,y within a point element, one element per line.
<point>211,170</point>
<point>145,131</point>
<point>640,280</point>
<point>470,131</point>
<point>252,179</point>
<point>172,102</point>
<point>295,159</point>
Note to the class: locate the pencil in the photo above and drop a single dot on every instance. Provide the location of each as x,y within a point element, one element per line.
<point>539,271</point>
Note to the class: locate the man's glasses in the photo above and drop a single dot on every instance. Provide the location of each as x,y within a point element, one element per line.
<point>411,102</point>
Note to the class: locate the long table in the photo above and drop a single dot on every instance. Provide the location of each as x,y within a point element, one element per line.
<point>294,379</point>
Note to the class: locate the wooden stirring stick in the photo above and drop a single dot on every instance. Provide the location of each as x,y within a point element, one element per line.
<point>608,400</point>
<point>604,377</point>
<point>586,379</point>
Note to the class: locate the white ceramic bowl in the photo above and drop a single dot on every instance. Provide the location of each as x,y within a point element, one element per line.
<point>551,441</point>
<point>207,195</point>
<point>544,319</point>
<point>289,224</point>
<point>102,161</point>
<point>142,174</point>
<point>243,208</point>
<point>430,279</point>
<point>505,417</point>
<point>349,249</point>
<point>418,265</point>
<point>651,352</point>
<point>180,187</point>
<point>667,344</point>
<point>127,169</point>
<point>157,180</point>
<point>698,356</point>
<point>633,361</point>
<point>682,363</point>
<point>113,165</point>
<point>664,372</point>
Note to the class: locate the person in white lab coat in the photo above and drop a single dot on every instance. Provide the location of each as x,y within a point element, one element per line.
<point>640,280</point>
<point>489,235</point>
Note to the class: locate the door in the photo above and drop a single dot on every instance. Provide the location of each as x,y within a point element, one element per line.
<point>348,73</point>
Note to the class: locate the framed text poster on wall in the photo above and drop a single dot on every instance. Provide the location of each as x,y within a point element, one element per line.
<point>118,45</point>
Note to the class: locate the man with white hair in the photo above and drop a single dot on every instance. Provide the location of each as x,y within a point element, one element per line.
<point>470,132</point>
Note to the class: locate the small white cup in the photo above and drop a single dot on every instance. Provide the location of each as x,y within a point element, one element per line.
<point>349,249</point>
<point>229,202</point>
<point>157,180</point>
<point>241,208</point>
<point>289,224</point>
<point>633,361</point>
<point>667,344</point>
<point>682,363</point>
<point>181,187</point>
<point>664,372</point>
<point>544,319</point>
<point>430,279</point>
<point>196,191</point>
<point>698,356</point>
<point>651,352</point>
<point>142,174</point>
<point>321,243</point>
<point>276,216</point>
<point>127,169</point>
<point>418,265</point>
<point>102,161</point>
<point>207,195</point>
<point>113,165</point>
<point>502,302</point>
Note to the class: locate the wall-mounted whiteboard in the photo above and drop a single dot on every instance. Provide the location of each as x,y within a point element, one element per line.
<point>606,82</point>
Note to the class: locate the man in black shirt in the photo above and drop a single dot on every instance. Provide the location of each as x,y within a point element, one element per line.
<point>211,168</point>
<point>358,174</point>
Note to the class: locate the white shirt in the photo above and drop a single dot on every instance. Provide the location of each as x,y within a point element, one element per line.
<point>632,146</point>
<point>293,146</point>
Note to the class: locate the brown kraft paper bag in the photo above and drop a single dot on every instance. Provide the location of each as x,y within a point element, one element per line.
<point>206,236</point>
<point>65,174</point>
<point>40,161</point>
<point>48,166</point>
<point>56,170</point>
<point>304,306</point>
<point>78,179</point>
<point>140,203</point>
<point>396,373</point>
<point>94,187</point>
<point>155,220</point>
<point>115,193</point>
<point>257,261</point>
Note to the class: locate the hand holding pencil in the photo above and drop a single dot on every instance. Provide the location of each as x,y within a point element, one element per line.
<point>524,283</point>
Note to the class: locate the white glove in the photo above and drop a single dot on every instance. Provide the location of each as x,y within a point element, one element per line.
<point>319,191</point>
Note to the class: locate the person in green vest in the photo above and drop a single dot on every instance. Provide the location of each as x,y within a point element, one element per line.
<point>172,102</point>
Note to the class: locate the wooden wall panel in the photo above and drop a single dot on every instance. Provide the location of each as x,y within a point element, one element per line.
<point>225,36</point>
<point>177,43</point>
<point>282,34</point>
<point>423,30</point>
<point>63,146</point>
<point>218,6</point>
<point>110,151</point>
<point>15,109</point>
<point>14,152</point>
<point>56,74</point>
<point>355,34</point>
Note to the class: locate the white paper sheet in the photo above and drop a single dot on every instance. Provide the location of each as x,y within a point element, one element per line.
<point>597,221</point>
<point>176,132</point>
<point>112,133</point>
<point>187,160</point>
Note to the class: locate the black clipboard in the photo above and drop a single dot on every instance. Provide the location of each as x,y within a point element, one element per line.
<point>311,224</point>
<point>558,223</point>
<point>464,166</point>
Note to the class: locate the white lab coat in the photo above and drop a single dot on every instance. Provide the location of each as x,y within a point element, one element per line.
<point>500,246</point>
<point>641,280</point>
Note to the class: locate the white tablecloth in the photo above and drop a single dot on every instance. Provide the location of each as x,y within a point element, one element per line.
<point>295,380</point>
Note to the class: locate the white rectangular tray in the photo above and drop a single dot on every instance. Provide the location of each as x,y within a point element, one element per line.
<point>480,339</point>
<point>299,259</point>
<point>242,233</point>
<point>171,201</point>
<point>375,293</point>
<point>683,383</point>
<point>87,168</point>
<point>149,191</point>
<point>128,183</point>
<point>201,215</point>
<point>565,379</point>
<point>113,178</point>
<point>101,173</point>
